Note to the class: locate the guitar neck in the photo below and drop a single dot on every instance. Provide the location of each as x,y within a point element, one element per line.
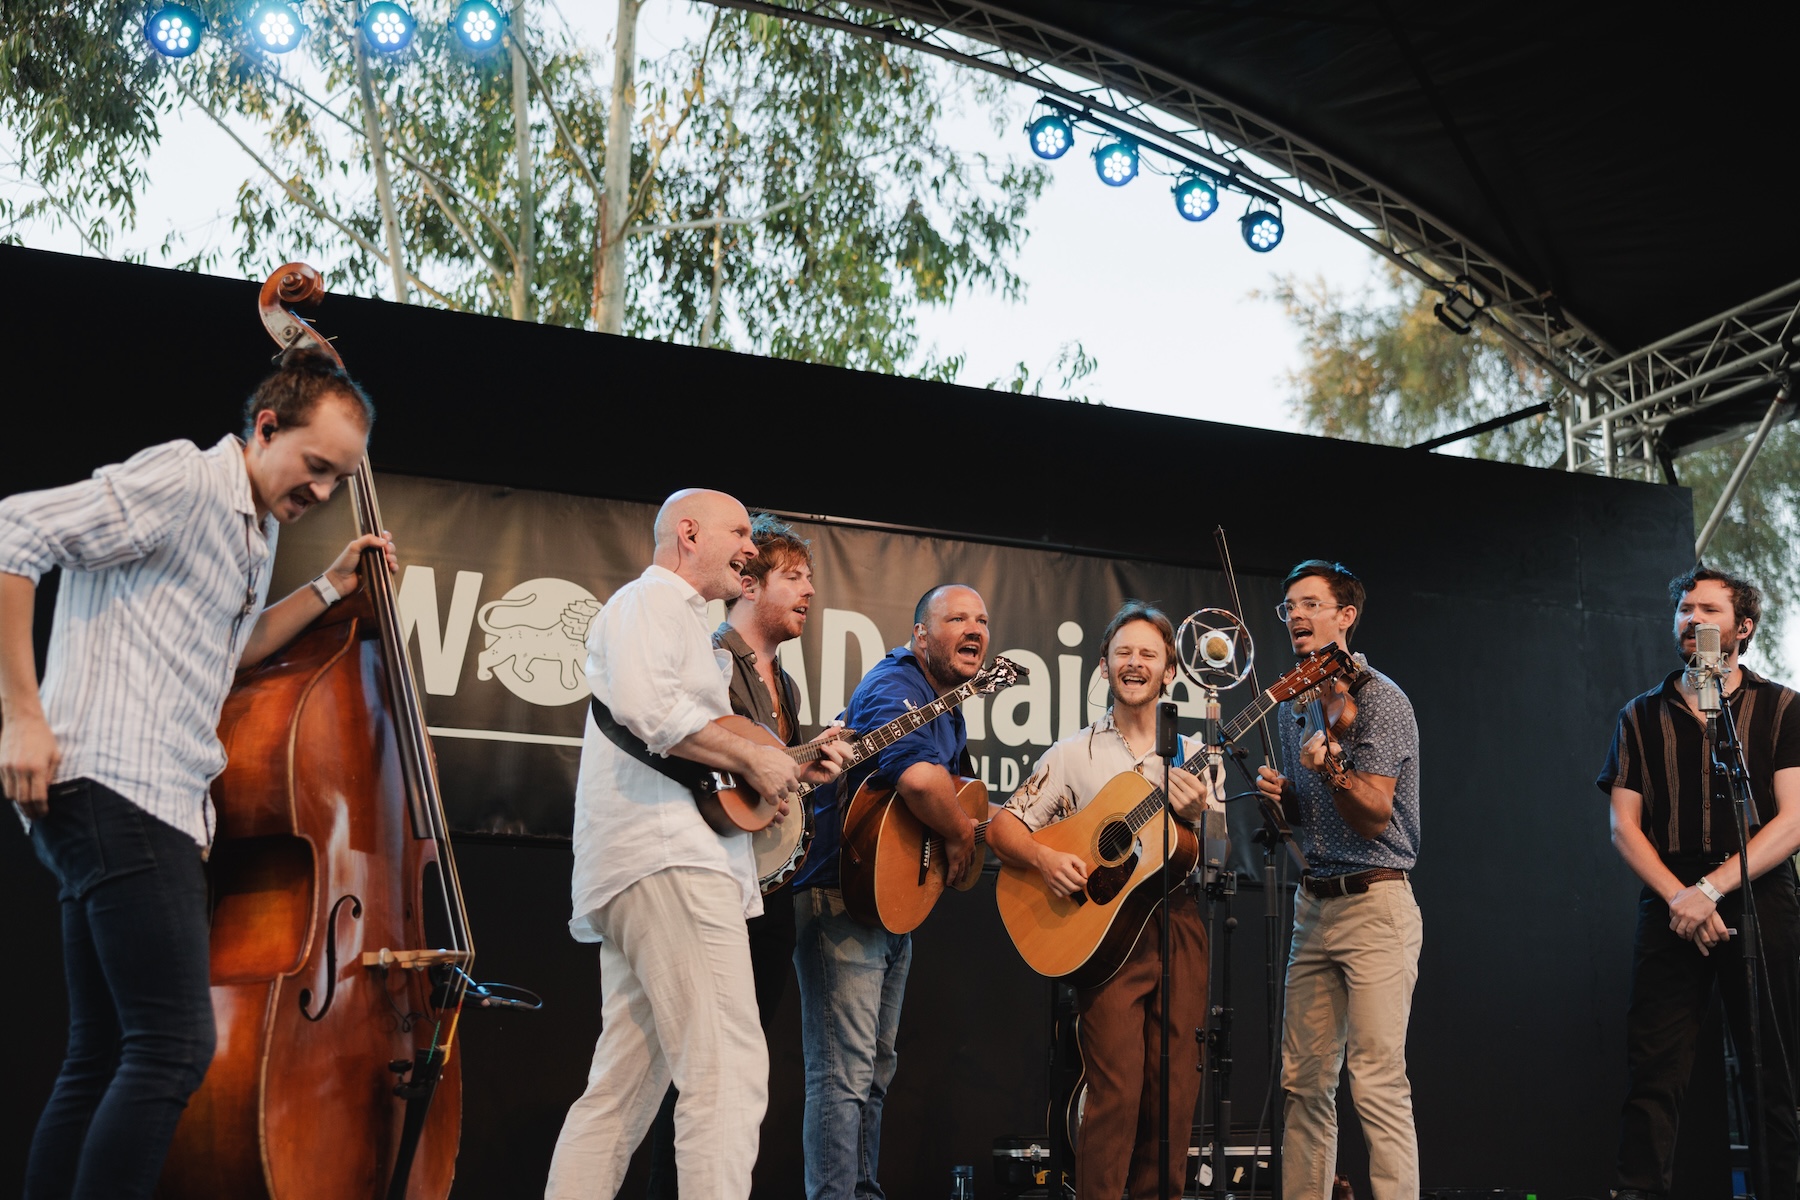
<point>883,736</point>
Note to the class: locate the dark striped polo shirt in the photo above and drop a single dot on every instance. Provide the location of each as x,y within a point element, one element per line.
<point>1658,751</point>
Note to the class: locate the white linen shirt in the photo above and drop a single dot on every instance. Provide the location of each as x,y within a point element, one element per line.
<point>165,570</point>
<point>651,662</point>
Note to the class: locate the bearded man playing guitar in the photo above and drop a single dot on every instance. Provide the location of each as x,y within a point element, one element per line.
<point>852,975</point>
<point>1121,1021</point>
<point>663,893</point>
<point>1352,793</point>
<point>777,594</point>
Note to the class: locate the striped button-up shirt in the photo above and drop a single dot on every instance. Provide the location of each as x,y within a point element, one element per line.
<point>1659,751</point>
<point>165,570</point>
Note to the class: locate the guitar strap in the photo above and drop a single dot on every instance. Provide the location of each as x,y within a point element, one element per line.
<point>696,777</point>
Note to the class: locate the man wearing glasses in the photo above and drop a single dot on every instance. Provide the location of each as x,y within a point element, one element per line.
<point>1353,797</point>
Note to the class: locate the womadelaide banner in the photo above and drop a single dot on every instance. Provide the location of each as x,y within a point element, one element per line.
<point>496,585</point>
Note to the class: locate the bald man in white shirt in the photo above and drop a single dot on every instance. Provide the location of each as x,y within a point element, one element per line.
<point>663,894</point>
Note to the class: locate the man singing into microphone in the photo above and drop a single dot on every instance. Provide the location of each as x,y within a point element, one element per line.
<point>1673,823</point>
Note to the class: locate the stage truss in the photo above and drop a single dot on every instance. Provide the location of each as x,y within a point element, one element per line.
<point>1616,409</point>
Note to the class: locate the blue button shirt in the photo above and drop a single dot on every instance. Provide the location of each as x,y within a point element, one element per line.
<point>1384,740</point>
<point>896,684</point>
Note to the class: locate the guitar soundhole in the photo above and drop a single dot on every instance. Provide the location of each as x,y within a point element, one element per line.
<point>1115,842</point>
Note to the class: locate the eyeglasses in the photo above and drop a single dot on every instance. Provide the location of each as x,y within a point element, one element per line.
<point>1306,608</point>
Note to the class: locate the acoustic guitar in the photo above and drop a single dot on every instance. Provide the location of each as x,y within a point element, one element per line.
<point>893,869</point>
<point>1118,834</point>
<point>730,805</point>
<point>781,849</point>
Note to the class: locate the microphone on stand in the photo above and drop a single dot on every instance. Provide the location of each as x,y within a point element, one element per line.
<point>1704,676</point>
<point>1168,743</point>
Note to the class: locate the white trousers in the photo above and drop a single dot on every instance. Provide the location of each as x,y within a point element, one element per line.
<point>677,1003</point>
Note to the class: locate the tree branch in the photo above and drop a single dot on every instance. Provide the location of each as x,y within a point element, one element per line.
<point>574,147</point>
<point>305,201</point>
<point>425,173</point>
<point>722,222</point>
<point>641,192</point>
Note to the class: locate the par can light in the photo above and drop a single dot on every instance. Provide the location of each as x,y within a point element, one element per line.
<point>174,31</point>
<point>1116,162</point>
<point>275,26</point>
<point>1262,229</point>
<point>1196,197</point>
<point>1051,135</point>
<point>387,28</point>
<point>478,25</point>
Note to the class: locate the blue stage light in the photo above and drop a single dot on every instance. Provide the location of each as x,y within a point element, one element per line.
<point>174,31</point>
<point>478,25</point>
<point>1262,229</point>
<point>275,26</point>
<point>1051,135</point>
<point>1196,197</point>
<point>387,27</point>
<point>1116,163</point>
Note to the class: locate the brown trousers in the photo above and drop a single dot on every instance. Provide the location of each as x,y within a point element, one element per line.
<point>1121,1048</point>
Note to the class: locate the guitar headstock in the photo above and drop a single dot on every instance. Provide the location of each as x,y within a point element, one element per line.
<point>1329,662</point>
<point>1003,672</point>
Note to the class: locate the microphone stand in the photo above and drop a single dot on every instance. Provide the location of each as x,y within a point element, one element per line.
<point>1166,739</point>
<point>1727,758</point>
<point>1219,885</point>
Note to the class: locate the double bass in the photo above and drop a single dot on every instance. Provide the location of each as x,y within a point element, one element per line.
<point>340,941</point>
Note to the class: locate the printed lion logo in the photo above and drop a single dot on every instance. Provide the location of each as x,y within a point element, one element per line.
<point>537,641</point>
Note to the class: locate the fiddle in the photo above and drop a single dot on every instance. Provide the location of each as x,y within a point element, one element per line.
<point>1331,713</point>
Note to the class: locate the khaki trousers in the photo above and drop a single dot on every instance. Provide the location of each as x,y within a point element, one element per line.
<point>1121,1049</point>
<point>677,1003</point>
<point>1349,995</point>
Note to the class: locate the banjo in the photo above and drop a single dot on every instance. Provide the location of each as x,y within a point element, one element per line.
<point>780,847</point>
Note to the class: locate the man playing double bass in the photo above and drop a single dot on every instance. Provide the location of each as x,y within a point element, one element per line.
<point>663,894</point>
<point>166,560</point>
<point>1121,1021</point>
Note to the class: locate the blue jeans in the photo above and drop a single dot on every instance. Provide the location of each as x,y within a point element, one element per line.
<point>135,932</point>
<point>852,980</point>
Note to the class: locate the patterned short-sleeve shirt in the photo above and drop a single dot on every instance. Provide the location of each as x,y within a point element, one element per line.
<point>1383,740</point>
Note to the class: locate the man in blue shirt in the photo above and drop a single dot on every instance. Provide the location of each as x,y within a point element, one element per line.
<point>1354,797</point>
<point>853,976</point>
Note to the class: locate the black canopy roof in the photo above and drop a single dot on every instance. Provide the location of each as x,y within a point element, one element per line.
<point>1631,160</point>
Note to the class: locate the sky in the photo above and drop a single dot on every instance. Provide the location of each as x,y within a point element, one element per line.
<point>1171,309</point>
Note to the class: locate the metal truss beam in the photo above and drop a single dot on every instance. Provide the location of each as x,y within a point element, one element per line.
<point>1615,407</point>
<point>1643,406</point>
<point>1175,113</point>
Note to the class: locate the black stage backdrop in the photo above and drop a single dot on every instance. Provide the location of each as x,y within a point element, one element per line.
<point>1518,608</point>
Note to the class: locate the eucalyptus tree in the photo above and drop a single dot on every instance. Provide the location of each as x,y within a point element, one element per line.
<point>785,188</point>
<point>1380,367</point>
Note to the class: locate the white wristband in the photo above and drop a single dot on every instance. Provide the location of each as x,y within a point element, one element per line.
<point>327,593</point>
<point>1709,891</point>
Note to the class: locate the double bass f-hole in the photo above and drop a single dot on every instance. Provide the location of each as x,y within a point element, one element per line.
<point>331,959</point>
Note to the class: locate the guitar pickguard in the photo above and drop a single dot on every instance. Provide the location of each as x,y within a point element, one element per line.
<point>1105,883</point>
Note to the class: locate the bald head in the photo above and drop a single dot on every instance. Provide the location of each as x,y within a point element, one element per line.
<point>704,537</point>
<point>950,636</point>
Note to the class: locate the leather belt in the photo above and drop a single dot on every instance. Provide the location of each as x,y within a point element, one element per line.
<point>1325,887</point>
